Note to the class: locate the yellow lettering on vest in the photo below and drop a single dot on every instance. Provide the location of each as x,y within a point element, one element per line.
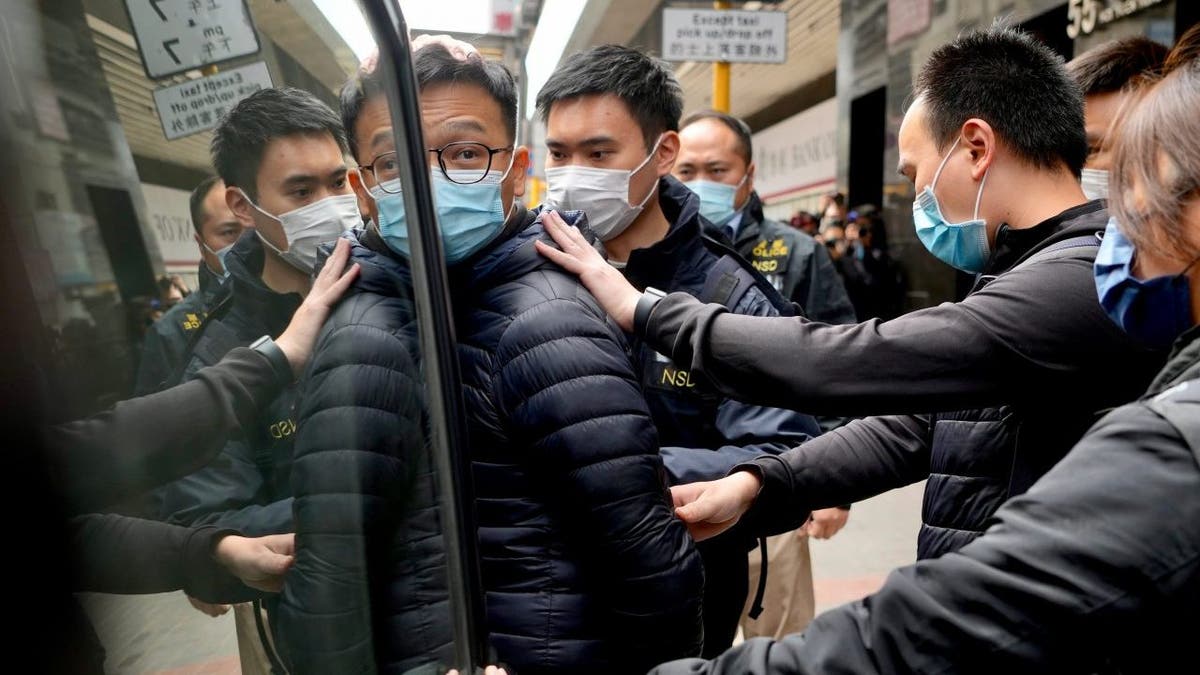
<point>283,429</point>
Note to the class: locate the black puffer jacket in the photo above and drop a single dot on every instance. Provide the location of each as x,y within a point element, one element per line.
<point>585,567</point>
<point>368,591</point>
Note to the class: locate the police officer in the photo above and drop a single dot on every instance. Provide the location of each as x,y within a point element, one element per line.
<point>612,116</point>
<point>716,160</point>
<point>169,341</point>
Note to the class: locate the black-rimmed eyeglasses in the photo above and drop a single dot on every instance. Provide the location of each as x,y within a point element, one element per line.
<point>462,162</point>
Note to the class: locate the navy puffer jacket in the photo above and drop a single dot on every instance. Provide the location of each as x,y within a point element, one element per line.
<point>367,592</point>
<point>585,567</point>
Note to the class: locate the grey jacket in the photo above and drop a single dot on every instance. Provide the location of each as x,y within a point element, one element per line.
<point>1095,569</point>
<point>799,268</point>
<point>1016,373</point>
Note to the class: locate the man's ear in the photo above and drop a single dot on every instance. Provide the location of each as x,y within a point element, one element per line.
<point>366,204</point>
<point>520,167</point>
<point>242,209</point>
<point>980,139</point>
<point>750,171</point>
<point>668,152</point>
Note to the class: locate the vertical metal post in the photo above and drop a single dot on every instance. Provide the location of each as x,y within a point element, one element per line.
<point>446,410</point>
<point>720,97</point>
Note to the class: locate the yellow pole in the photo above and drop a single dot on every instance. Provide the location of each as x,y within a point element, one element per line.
<point>720,98</point>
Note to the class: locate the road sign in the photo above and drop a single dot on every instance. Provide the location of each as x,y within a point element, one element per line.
<point>734,36</point>
<point>198,105</point>
<point>174,36</point>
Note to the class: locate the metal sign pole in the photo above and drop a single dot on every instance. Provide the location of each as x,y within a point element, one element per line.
<point>720,97</point>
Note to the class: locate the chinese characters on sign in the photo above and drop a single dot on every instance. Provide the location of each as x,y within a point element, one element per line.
<point>174,36</point>
<point>724,35</point>
<point>198,105</point>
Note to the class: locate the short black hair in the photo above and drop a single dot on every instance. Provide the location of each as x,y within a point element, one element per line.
<point>196,201</point>
<point>434,65</point>
<point>1117,64</point>
<point>246,130</point>
<point>735,124</point>
<point>646,85</point>
<point>1017,85</point>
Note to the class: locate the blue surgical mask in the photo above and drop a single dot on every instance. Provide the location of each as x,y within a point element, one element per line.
<point>716,199</point>
<point>961,245</point>
<point>221,254</point>
<point>1154,311</point>
<point>469,216</point>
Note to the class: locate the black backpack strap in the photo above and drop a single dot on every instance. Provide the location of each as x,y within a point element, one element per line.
<point>732,277</point>
<point>196,339</point>
<point>726,283</point>
<point>1180,405</point>
<point>1063,249</point>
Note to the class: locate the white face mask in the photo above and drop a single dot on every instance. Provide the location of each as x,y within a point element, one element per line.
<point>1094,183</point>
<point>309,226</point>
<point>602,194</point>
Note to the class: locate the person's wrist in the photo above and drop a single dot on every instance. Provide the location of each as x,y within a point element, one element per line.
<point>644,307</point>
<point>277,355</point>
<point>749,484</point>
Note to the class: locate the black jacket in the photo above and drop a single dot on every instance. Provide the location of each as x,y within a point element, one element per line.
<point>585,567</point>
<point>167,345</point>
<point>107,457</point>
<point>247,487</point>
<point>1026,359</point>
<point>796,264</point>
<point>1095,569</point>
<point>368,591</point>
<point>703,433</point>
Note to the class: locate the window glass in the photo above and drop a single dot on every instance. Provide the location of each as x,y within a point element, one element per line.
<point>174,174</point>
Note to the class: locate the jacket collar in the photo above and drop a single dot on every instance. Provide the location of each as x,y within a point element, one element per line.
<point>1013,246</point>
<point>250,296</point>
<point>510,256</point>
<point>212,287</point>
<point>659,264</point>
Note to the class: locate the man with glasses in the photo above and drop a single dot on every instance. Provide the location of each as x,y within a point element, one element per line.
<point>585,567</point>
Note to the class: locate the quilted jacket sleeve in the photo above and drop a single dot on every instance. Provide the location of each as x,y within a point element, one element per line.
<point>565,385</point>
<point>361,482</point>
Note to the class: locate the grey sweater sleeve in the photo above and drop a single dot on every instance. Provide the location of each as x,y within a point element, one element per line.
<point>860,460</point>
<point>144,442</point>
<point>1070,573</point>
<point>1011,336</point>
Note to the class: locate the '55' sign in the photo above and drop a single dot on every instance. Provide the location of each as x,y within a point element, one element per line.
<point>1082,16</point>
